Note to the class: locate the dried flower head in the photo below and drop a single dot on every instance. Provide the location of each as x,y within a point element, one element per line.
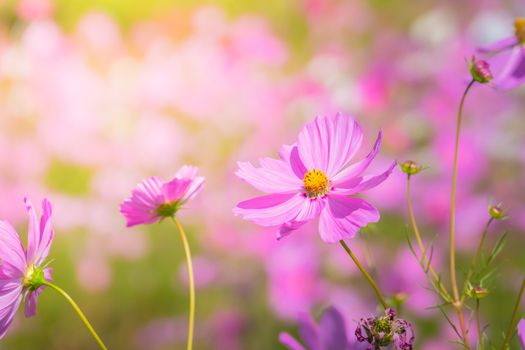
<point>385,330</point>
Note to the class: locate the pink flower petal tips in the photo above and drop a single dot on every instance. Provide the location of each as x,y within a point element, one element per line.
<point>154,199</point>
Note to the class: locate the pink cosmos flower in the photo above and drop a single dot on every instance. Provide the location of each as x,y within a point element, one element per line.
<point>22,272</point>
<point>153,199</point>
<point>508,64</point>
<point>313,179</point>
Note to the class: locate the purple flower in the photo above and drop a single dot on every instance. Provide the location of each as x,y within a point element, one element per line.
<point>509,58</point>
<point>313,179</point>
<point>22,272</point>
<point>329,335</point>
<point>385,330</point>
<point>153,199</point>
<point>521,332</point>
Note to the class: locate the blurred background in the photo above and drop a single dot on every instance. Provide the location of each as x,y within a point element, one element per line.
<point>97,95</point>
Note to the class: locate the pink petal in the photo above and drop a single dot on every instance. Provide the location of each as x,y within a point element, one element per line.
<point>288,341</point>
<point>145,198</point>
<point>356,169</point>
<point>46,233</point>
<point>289,227</point>
<point>175,189</point>
<point>513,73</point>
<point>297,165</point>
<point>521,332</point>
<point>273,209</point>
<point>194,188</point>
<point>344,216</point>
<point>9,293</point>
<point>187,172</point>
<point>311,209</point>
<point>357,185</point>
<point>500,45</point>
<point>309,333</point>
<point>332,330</point>
<point>33,231</point>
<point>274,176</point>
<point>7,314</point>
<point>12,255</point>
<point>329,143</point>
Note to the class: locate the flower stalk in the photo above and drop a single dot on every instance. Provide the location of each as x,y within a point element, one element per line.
<point>365,274</point>
<point>510,330</point>
<point>457,303</point>
<point>78,311</point>
<point>440,288</point>
<point>191,280</point>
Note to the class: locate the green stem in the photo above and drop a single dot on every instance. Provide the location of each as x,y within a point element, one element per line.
<point>478,323</point>
<point>510,331</point>
<point>442,290</point>
<point>79,312</point>
<point>191,281</point>
<point>366,274</point>
<point>476,256</point>
<point>457,302</point>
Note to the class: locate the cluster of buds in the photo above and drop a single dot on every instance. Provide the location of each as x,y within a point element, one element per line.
<point>385,330</point>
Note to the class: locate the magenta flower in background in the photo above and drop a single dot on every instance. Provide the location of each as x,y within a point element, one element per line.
<point>153,199</point>
<point>329,335</point>
<point>313,179</point>
<point>508,63</point>
<point>22,272</point>
<point>521,332</point>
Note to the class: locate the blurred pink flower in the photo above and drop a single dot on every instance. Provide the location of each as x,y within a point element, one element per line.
<point>521,332</point>
<point>329,334</point>
<point>509,61</point>
<point>35,9</point>
<point>153,199</point>
<point>22,272</point>
<point>312,179</point>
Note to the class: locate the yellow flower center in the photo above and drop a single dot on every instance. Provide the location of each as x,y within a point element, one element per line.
<point>316,183</point>
<point>519,27</point>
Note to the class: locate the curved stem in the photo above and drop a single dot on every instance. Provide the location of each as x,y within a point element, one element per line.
<point>443,291</point>
<point>457,302</point>
<point>189,264</point>
<point>366,274</point>
<point>79,312</point>
<point>510,331</point>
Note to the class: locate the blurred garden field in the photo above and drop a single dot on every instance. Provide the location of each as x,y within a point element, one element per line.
<point>97,95</point>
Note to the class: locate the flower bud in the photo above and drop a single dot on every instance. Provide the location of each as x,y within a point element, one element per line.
<point>410,168</point>
<point>479,292</point>
<point>480,71</point>
<point>497,212</point>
